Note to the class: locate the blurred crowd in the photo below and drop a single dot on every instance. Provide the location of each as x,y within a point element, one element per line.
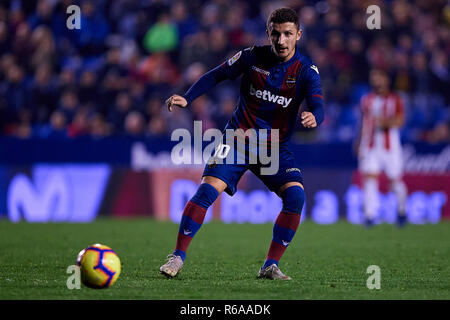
<point>111,77</point>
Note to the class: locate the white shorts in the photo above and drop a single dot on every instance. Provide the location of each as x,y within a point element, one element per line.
<point>376,160</point>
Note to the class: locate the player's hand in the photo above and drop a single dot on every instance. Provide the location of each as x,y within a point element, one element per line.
<point>384,123</point>
<point>176,101</point>
<point>308,120</point>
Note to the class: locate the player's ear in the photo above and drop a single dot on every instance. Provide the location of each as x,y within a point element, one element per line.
<point>268,29</point>
<point>299,34</point>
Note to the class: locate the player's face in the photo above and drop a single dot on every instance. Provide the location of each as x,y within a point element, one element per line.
<point>379,81</point>
<point>283,37</point>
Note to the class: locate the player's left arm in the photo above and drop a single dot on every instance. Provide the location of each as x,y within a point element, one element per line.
<point>314,99</point>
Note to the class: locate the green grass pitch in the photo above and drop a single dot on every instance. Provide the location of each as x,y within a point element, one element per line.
<point>325,262</point>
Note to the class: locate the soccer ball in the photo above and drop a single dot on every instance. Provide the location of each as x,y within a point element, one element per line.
<point>99,266</point>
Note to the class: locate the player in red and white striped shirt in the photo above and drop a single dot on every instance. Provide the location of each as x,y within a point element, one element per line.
<point>379,145</point>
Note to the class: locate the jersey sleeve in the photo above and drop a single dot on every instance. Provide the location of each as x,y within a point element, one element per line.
<point>230,69</point>
<point>314,96</point>
<point>238,64</point>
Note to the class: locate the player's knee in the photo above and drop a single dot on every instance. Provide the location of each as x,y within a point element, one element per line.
<point>205,196</point>
<point>395,181</point>
<point>293,199</point>
<point>370,176</point>
<point>217,183</point>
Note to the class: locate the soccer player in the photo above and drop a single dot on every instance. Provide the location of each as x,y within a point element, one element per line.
<point>275,80</point>
<point>379,145</point>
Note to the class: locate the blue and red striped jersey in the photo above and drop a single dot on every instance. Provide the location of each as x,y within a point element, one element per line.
<point>271,92</point>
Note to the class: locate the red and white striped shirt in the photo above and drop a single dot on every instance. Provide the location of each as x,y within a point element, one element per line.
<point>376,106</point>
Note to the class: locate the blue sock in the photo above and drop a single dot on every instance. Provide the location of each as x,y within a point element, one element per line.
<point>269,262</point>
<point>193,216</point>
<point>286,224</point>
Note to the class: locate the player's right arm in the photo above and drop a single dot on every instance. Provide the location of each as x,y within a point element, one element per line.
<point>176,101</point>
<point>397,120</point>
<point>230,69</point>
<point>364,113</point>
<point>358,133</point>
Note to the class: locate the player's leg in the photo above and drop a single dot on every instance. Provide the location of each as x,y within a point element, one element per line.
<point>369,167</point>
<point>219,175</point>
<point>195,210</point>
<point>400,190</point>
<point>287,183</point>
<point>192,219</point>
<point>284,229</point>
<point>394,172</point>
<point>370,198</point>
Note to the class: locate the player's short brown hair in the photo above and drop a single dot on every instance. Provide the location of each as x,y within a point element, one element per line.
<point>283,15</point>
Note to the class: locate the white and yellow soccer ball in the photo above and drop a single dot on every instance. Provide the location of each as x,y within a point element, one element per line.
<point>99,266</point>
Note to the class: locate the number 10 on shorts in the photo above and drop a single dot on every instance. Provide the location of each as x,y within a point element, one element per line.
<point>222,151</point>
